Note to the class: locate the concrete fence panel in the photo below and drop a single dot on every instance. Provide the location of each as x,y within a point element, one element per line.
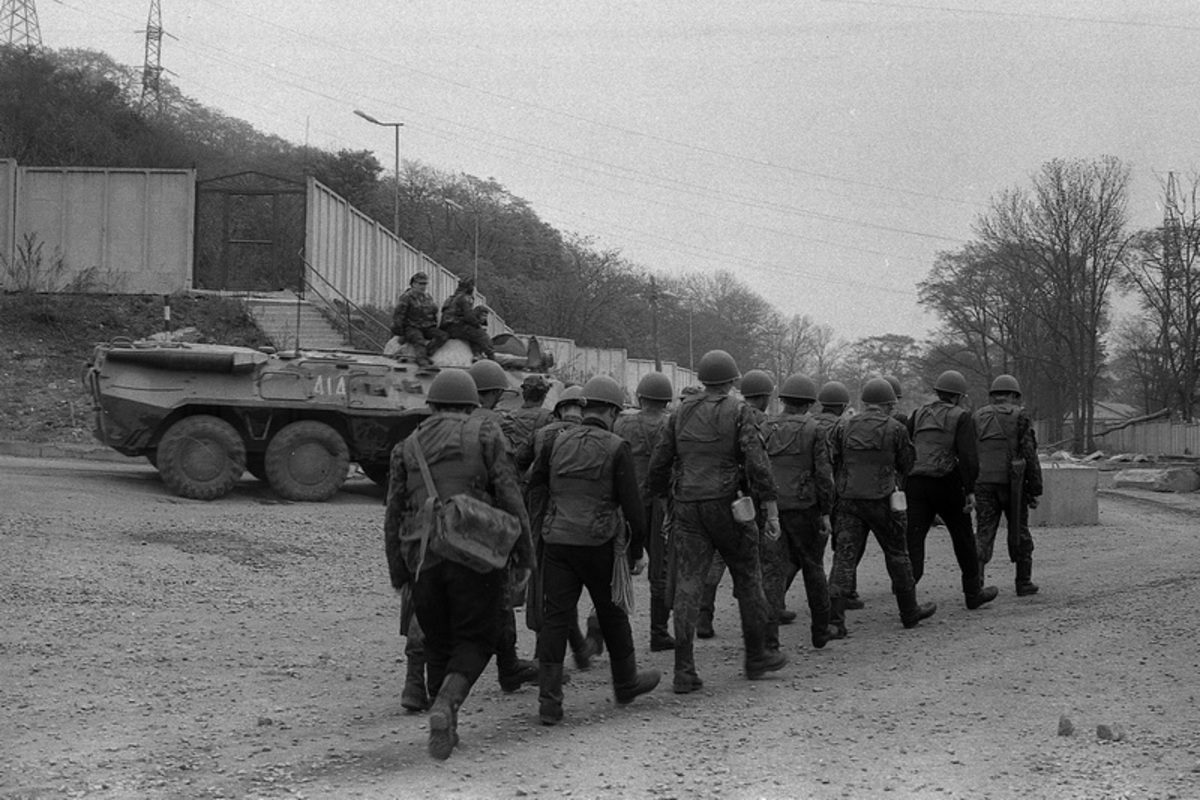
<point>116,230</point>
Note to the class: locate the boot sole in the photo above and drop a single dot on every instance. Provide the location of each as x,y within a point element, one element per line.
<point>661,647</point>
<point>626,699</point>
<point>761,672</point>
<point>441,736</point>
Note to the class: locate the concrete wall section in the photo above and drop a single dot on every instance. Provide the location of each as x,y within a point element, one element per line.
<point>120,230</point>
<point>8,215</point>
<point>367,262</point>
<point>638,368</point>
<point>1068,497</point>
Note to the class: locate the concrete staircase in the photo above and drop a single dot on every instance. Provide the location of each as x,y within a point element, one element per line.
<point>279,315</point>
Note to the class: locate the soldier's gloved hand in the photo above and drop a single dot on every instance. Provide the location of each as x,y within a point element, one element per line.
<point>1032,502</point>
<point>969,508</point>
<point>638,567</point>
<point>826,526</point>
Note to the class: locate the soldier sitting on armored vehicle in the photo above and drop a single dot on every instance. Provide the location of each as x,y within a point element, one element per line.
<point>462,320</point>
<point>414,321</point>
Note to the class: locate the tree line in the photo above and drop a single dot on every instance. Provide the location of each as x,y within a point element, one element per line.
<point>1030,293</point>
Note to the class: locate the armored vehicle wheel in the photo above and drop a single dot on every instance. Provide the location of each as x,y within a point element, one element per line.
<point>307,460</point>
<point>256,465</point>
<point>201,457</point>
<point>377,472</point>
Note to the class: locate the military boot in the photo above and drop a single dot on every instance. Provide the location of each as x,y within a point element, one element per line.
<point>771,640</point>
<point>759,660</point>
<point>443,716</point>
<point>414,697</point>
<point>513,672</point>
<point>1025,584</point>
<point>629,681</point>
<point>912,612</point>
<point>977,594</point>
<point>550,693</point>
<point>837,617</point>
<point>660,637</point>
<point>822,631</point>
<point>686,679</point>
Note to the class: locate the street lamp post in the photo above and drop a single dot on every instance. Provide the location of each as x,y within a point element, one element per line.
<point>396,196</point>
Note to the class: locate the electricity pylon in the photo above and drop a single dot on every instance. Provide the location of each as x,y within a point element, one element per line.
<point>19,25</point>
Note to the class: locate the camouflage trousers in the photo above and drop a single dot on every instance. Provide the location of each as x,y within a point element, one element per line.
<point>854,520</point>
<point>992,502</point>
<point>700,530</point>
<point>425,341</point>
<point>802,547</point>
<point>656,548</point>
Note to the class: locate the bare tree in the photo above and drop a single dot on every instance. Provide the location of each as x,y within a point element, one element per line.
<point>1064,243</point>
<point>793,345</point>
<point>1165,271</point>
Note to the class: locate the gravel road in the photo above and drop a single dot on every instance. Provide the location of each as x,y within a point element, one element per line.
<point>156,647</point>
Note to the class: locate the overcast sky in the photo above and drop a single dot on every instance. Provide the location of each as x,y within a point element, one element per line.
<point>822,151</point>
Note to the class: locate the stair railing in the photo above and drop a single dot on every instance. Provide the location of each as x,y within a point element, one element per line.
<point>356,322</point>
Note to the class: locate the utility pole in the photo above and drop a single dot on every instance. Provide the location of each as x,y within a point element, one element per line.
<point>19,25</point>
<point>654,323</point>
<point>151,103</point>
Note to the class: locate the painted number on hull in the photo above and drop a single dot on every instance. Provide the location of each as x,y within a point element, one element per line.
<point>330,384</point>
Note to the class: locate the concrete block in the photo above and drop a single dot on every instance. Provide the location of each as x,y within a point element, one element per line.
<point>1068,496</point>
<point>1160,479</point>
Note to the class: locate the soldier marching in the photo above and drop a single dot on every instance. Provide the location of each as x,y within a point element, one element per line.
<point>602,487</point>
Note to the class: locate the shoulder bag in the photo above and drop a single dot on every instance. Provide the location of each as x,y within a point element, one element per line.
<point>462,528</point>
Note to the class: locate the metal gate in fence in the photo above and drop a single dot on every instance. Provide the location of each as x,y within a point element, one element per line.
<point>249,233</point>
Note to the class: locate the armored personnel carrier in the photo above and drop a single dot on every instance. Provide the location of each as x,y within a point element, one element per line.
<point>203,413</point>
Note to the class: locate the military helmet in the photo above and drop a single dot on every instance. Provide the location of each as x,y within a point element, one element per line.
<point>717,366</point>
<point>757,383</point>
<point>489,375</point>
<point>572,394</point>
<point>603,389</point>
<point>798,387</point>
<point>655,386</point>
<point>453,387</point>
<point>878,391</point>
<point>951,381</point>
<point>1005,383</point>
<point>833,393</point>
<point>895,386</point>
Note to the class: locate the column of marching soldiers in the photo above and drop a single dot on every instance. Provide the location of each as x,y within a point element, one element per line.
<point>594,496</point>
